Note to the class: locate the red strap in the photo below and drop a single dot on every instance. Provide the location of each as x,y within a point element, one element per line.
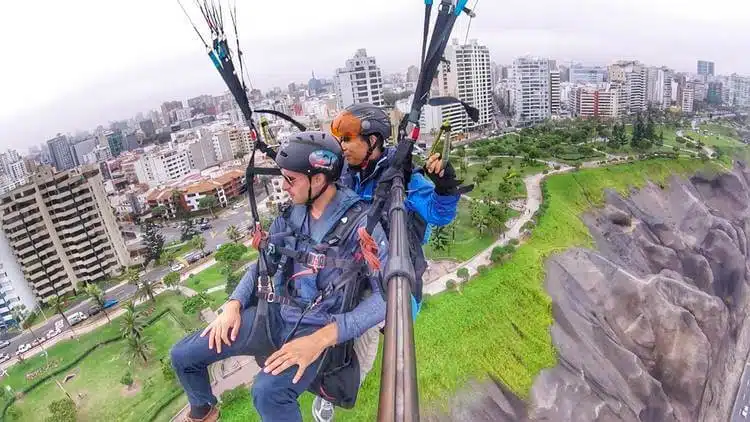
<point>369,249</point>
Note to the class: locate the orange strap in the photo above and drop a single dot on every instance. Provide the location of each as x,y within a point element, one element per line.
<point>369,249</point>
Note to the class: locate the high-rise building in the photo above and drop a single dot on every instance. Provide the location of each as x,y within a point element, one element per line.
<point>83,149</point>
<point>60,153</point>
<point>62,231</point>
<point>686,96</point>
<point>14,290</point>
<point>655,86</point>
<point>532,89</point>
<point>162,166</point>
<point>705,68</point>
<point>147,126</point>
<point>580,74</point>
<point>412,74</point>
<point>631,77</point>
<point>713,96</point>
<point>594,101</point>
<point>554,91</point>
<point>361,81</point>
<point>740,90</point>
<point>166,111</point>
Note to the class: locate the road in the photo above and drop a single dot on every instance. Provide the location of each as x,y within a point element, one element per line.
<point>743,397</point>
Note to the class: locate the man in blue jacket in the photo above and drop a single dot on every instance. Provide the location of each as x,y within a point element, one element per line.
<point>304,317</point>
<point>432,198</point>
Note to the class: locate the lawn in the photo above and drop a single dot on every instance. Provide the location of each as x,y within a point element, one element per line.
<point>499,324</point>
<point>98,374</point>
<point>498,174</point>
<point>468,242</point>
<point>212,277</point>
<point>714,139</point>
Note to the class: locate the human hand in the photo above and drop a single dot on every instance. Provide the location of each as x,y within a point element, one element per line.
<point>301,351</point>
<point>434,164</point>
<point>225,327</point>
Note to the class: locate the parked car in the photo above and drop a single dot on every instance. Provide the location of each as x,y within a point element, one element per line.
<point>53,333</point>
<point>76,318</point>
<point>4,357</point>
<point>94,310</point>
<point>177,267</point>
<point>744,411</point>
<point>23,348</point>
<point>59,324</point>
<point>110,303</point>
<point>4,344</point>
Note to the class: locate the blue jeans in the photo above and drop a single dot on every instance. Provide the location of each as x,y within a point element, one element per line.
<point>275,397</point>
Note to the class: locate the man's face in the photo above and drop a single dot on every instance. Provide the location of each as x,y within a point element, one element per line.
<point>297,185</point>
<point>354,148</point>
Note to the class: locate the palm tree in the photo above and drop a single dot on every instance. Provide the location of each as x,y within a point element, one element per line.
<point>146,290</point>
<point>138,347</point>
<point>172,279</point>
<point>132,322</point>
<point>57,303</point>
<point>233,233</point>
<point>199,242</point>
<point>132,276</point>
<point>97,295</point>
<point>18,315</point>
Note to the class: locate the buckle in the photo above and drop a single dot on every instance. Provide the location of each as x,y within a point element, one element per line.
<point>270,297</point>
<point>316,261</point>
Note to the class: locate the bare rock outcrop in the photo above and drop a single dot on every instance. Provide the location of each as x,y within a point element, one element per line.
<point>650,325</point>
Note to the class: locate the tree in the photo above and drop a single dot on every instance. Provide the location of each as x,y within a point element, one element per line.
<point>166,368</point>
<point>233,233</point>
<point>439,238</point>
<point>172,279</point>
<point>188,229</point>
<point>479,216</point>
<point>132,322</point>
<point>138,347</point>
<point>199,242</point>
<point>132,276</point>
<point>97,295</point>
<point>650,130</point>
<point>63,410</point>
<point>208,202</point>
<point>19,312</point>
<point>57,303</point>
<point>159,211</point>
<point>660,138</point>
<point>154,241</point>
<point>463,167</point>
<point>231,254</point>
<point>497,215</point>
<point>127,379</point>
<point>233,279</point>
<point>146,289</point>
<point>168,256</point>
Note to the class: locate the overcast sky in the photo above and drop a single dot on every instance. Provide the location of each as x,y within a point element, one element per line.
<point>74,64</point>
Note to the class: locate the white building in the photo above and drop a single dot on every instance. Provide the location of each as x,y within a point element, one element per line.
<point>686,97</point>
<point>472,66</point>
<point>361,81</point>
<point>157,167</point>
<point>278,195</point>
<point>656,78</point>
<point>582,75</point>
<point>532,90</point>
<point>631,76</point>
<point>739,87</point>
<point>14,290</point>
<point>554,91</point>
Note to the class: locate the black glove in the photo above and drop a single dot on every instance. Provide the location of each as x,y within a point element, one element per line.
<point>447,185</point>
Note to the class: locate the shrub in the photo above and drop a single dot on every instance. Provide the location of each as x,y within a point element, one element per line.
<point>167,370</point>
<point>63,410</point>
<point>127,379</point>
<point>545,171</point>
<point>482,269</point>
<point>463,273</point>
<point>450,284</point>
<point>513,242</point>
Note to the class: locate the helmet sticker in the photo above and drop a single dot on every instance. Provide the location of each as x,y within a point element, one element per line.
<point>323,159</point>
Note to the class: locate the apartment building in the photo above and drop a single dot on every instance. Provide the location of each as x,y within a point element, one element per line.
<point>360,81</point>
<point>532,101</point>
<point>62,231</point>
<point>594,101</point>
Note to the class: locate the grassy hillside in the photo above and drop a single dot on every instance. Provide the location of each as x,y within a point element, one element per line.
<point>499,324</point>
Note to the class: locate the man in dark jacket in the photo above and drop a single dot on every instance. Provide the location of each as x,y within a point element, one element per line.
<point>304,324</point>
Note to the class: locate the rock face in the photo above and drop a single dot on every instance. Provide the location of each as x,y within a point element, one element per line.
<point>650,326</point>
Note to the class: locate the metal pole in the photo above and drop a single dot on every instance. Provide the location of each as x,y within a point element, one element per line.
<point>399,395</point>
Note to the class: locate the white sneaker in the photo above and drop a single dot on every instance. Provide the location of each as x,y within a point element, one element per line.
<point>322,410</point>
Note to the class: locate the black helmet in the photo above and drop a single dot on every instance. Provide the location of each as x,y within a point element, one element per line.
<point>311,153</point>
<point>362,119</point>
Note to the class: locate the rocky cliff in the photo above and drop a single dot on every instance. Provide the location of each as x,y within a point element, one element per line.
<point>650,326</point>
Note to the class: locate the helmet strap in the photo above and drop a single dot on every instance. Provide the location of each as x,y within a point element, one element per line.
<point>310,198</point>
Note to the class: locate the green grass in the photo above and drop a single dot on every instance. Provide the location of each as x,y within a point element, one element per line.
<point>720,129</point>
<point>212,277</point>
<point>497,175</point>
<point>99,373</point>
<point>715,140</point>
<point>468,241</point>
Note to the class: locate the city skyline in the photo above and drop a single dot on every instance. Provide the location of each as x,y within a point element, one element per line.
<point>83,96</point>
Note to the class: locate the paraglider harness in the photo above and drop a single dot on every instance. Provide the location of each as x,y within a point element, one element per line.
<point>338,376</point>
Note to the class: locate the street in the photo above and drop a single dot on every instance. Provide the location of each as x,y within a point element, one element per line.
<point>742,401</point>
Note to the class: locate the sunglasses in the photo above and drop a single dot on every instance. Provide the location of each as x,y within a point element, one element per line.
<point>288,179</point>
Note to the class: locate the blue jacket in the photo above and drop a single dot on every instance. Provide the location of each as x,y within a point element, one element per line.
<point>368,313</point>
<point>426,208</point>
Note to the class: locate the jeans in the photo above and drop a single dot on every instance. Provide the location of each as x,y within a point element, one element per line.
<point>274,397</point>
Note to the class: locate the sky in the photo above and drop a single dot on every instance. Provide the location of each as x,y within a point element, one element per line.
<point>76,64</point>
